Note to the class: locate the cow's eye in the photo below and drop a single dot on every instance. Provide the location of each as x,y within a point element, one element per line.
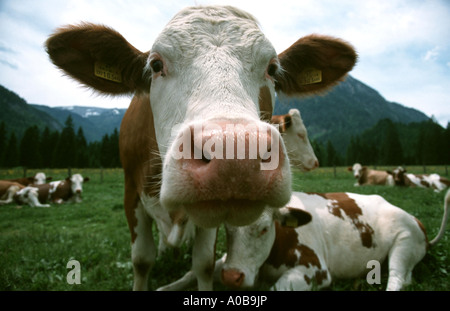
<point>272,69</point>
<point>263,231</point>
<point>157,65</point>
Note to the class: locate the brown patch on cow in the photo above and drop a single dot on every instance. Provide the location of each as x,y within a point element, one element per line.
<point>339,204</point>
<point>265,104</point>
<point>422,227</point>
<point>445,181</point>
<point>319,277</point>
<point>284,246</point>
<point>139,156</point>
<point>284,250</point>
<point>284,122</point>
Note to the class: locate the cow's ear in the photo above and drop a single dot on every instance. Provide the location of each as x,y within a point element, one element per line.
<point>313,64</point>
<point>293,217</point>
<point>49,178</point>
<point>86,179</point>
<point>350,168</point>
<point>99,57</point>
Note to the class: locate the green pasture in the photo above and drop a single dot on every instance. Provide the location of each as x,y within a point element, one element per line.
<point>37,243</point>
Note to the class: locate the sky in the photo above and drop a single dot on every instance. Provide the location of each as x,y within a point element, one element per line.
<point>403,45</point>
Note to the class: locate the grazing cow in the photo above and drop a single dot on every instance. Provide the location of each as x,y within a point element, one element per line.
<point>367,176</point>
<point>38,179</point>
<point>62,191</point>
<point>208,78</point>
<point>296,140</point>
<point>401,178</point>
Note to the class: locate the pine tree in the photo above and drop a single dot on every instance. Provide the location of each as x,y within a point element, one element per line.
<point>65,151</point>
<point>30,155</point>
<point>12,156</point>
<point>3,142</point>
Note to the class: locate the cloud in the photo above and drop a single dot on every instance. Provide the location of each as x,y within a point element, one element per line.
<point>432,54</point>
<point>403,45</point>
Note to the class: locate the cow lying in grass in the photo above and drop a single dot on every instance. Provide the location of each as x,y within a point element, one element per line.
<point>320,237</point>
<point>12,191</point>
<point>61,191</point>
<point>367,176</point>
<point>38,179</point>
<point>434,181</point>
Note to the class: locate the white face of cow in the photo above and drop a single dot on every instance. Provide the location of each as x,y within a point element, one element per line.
<point>209,76</point>
<point>295,137</point>
<point>40,179</point>
<point>248,247</point>
<point>76,185</point>
<point>211,64</point>
<point>357,170</point>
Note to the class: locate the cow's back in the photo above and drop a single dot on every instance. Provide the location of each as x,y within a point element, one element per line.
<point>345,224</point>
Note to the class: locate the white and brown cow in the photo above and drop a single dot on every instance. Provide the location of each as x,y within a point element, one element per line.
<point>68,190</point>
<point>38,179</point>
<point>320,237</point>
<point>434,181</point>
<point>295,137</point>
<point>199,93</point>
<point>8,189</point>
<point>367,176</point>
<point>11,191</point>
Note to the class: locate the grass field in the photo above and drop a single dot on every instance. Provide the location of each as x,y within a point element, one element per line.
<point>37,243</point>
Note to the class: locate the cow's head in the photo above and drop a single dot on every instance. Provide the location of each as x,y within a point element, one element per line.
<point>399,176</point>
<point>40,178</point>
<point>210,75</point>
<point>248,247</point>
<point>76,186</point>
<point>295,137</point>
<point>357,170</point>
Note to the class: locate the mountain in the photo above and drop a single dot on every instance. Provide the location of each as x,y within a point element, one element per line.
<point>96,122</point>
<point>347,110</point>
<point>18,115</point>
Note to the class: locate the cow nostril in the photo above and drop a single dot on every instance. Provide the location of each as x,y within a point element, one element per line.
<point>233,278</point>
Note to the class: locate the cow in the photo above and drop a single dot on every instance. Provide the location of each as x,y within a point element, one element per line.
<point>13,191</point>
<point>8,189</point>
<point>319,237</point>
<point>209,78</point>
<point>37,179</point>
<point>301,155</point>
<point>367,176</point>
<point>68,190</point>
<point>29,196</point>
<point>402,178</point>
<point>295,137</point>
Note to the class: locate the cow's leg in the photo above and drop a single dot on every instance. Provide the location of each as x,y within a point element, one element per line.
<point>203,256</point>
<point>403,256</point>
<point>189,279</point>
<point>143,250</point>
<point>9,195</point>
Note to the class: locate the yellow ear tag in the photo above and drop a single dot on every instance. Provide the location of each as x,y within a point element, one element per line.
<point>107,72</point>
<point>310,76</point>
<point>291,222</point>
